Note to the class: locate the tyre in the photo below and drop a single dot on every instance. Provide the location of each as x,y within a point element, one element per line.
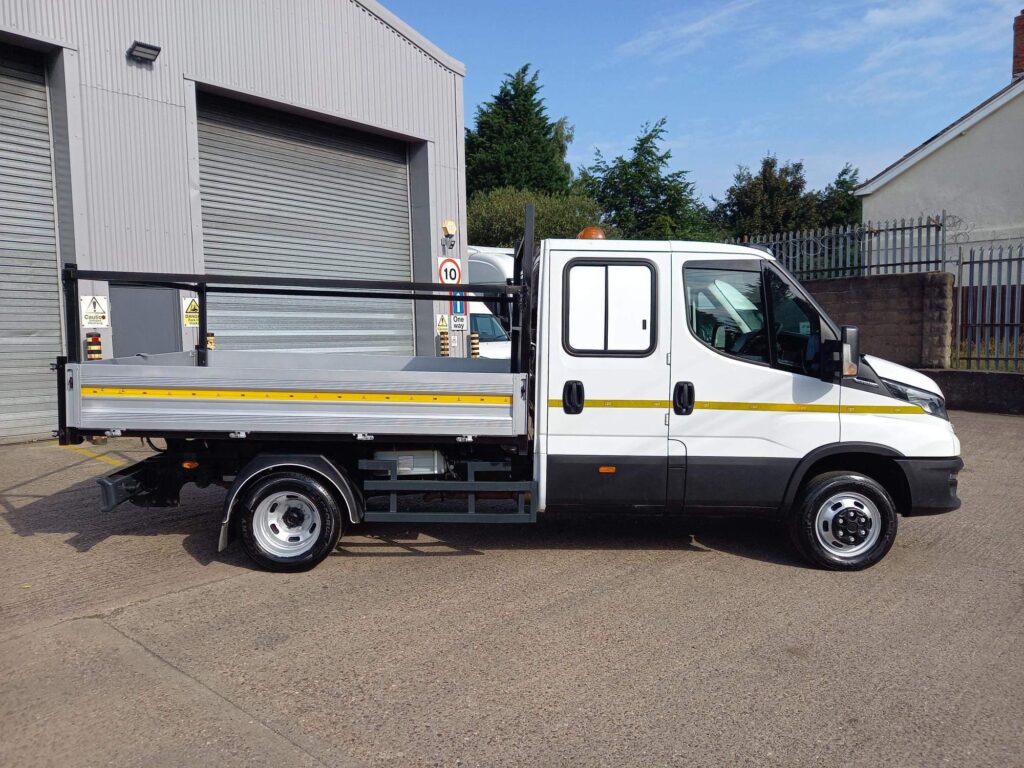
<point>289,521</point>
<point>844,521</point>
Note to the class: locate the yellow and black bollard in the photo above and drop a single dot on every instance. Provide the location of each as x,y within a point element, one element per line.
<point>93,346</point>
<point>445,351</point>
<point>211,340</point>
<point>474,344</point>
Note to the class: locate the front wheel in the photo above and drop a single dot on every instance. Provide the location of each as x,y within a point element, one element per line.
<point>289,521</point>
<point>844,521</point>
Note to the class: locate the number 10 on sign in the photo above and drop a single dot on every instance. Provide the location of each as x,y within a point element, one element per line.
<point>449,271</point>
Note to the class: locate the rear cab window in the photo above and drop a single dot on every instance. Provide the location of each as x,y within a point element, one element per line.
<point>609,308</point>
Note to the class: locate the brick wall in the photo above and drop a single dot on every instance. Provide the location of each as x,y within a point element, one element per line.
<point>904,318</point>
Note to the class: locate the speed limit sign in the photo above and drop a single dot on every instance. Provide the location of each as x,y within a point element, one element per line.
<point>449,271</point>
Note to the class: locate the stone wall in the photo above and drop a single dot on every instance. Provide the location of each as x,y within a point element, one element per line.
<point>904,318</point>
<point>985,391</point>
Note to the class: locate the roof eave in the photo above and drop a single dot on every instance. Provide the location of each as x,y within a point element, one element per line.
<point>417,39</point>
<point>941,139</point>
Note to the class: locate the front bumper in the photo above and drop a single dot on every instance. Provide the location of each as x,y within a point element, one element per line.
<point>933,484</point>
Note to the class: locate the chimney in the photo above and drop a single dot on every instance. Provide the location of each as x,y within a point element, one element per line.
<point>1018,46</point>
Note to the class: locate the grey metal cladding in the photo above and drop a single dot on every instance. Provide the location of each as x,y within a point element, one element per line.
<point>30,333</point>
<point>286,195</point>
<point>348,60</point>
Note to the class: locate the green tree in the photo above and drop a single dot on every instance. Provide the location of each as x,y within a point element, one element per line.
<point>495,218</point>
<point>640,199</point>
<point>515,144</point>
<point>775,199</point>
<point>837,203</point>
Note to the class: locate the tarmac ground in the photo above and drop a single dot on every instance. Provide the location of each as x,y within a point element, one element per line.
<point>126,639</point>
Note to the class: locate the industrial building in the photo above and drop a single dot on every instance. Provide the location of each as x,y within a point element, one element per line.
<point>321,138</point>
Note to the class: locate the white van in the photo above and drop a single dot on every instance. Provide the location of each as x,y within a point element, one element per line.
<point>492,266</point>
<point>494,340</point>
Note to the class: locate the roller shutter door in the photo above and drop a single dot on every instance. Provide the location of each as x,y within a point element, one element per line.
<point>282,195</point>
<point>29,300</point>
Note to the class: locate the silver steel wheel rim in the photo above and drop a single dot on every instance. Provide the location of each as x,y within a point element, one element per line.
<point>286,524</point>
<point>848,525</point>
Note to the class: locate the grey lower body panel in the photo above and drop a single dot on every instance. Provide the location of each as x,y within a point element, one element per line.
<point>270,392</point>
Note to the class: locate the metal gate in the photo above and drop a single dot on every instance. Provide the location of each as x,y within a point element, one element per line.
<point>990,308</point>
<point>292,197</point>
<point>29,298</point>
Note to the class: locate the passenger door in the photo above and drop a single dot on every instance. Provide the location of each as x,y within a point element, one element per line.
<point>748,401</point>
<point>607,379</point>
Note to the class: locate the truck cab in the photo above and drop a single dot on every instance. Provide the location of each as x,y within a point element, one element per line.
<point>697,378</point>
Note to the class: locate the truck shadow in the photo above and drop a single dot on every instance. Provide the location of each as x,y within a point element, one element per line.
<point>74,514</point>
<point>749,539</point>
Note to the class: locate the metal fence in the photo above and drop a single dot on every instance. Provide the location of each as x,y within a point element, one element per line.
<point>989,279</point>
<point>873,248</point>
<point>989,308</point>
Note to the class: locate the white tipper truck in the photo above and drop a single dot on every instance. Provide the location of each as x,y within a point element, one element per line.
<point>674,378</point>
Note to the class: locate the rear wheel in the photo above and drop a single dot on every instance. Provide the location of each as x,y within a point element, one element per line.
<point>289,521</point>
<point>843,521</point>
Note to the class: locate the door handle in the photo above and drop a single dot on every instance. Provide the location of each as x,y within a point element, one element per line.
<point>683,398</point>
<point>573,397</point>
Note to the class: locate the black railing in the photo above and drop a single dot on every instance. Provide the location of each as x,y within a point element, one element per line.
<point>203,285</point>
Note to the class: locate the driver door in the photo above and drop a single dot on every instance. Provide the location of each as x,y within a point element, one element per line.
<point>748,403</point>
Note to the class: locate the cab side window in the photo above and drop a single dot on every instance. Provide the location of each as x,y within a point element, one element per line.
<point>725,310</point>
<point>609,308</point>
<point>796,328</point>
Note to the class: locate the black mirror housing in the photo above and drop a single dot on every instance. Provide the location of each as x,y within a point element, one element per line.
<point>841,357</point>
<point>850,340</point>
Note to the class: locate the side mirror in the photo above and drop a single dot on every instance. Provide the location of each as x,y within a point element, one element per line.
<point>851,350</point>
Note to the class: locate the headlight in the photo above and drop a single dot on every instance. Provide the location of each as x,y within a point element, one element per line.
<point>932,403</point>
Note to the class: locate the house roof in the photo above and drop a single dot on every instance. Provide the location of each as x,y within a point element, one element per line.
<point>943,137</point>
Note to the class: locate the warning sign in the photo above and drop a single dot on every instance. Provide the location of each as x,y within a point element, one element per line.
<point>442,323</point>
<point>458,323</point>
<point>190,312</point>
<point>95,312</point>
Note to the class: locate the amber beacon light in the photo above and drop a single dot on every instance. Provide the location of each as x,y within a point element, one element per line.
<point>591,233</point>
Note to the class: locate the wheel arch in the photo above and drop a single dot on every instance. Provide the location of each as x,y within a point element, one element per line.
<point>876,461</point>
<point>318,465</point>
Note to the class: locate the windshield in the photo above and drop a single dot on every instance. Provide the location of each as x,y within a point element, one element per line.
<point>488,328</point>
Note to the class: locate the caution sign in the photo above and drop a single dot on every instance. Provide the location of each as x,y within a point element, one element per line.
<point>95,312</point>
<point>458,322</point>
<point>442,323</point>
<point>190,312</point>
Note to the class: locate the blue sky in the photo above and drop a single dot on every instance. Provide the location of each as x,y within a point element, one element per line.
<point>824,82</point>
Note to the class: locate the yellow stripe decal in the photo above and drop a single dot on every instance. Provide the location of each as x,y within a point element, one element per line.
<point>907,409</point>
<point>277,395</point>
<point>710,405</point>
<point>713,405</point>
<point>617,404</point>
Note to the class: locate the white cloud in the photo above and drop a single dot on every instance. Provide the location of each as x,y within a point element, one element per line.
<point>685,33</point>
<point>888,15</point>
